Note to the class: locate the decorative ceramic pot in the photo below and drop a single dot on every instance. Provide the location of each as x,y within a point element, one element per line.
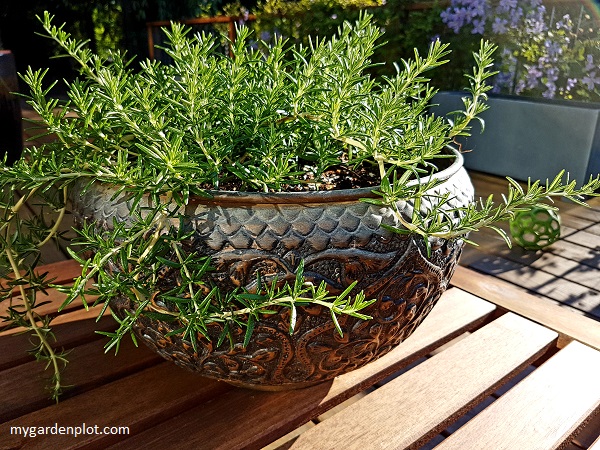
<point>340,240</point>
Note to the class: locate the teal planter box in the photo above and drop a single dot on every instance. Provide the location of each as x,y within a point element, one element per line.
<point>530,137</point>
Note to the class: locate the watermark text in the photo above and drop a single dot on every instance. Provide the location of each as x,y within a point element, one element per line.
<point>75,431</point>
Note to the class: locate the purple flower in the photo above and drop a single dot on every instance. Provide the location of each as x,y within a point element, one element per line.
<point>566,23</point>
<point>506,5</point>
<point>478,9</point>
<point>533,76</point>
<point>540,55</point>
<point>465,12</point>
<point>553,48</point>
<point>550,91</point>
<point>589,62</point>
<point>552,74</point>
<point>462,15</point>
<point>478,26</point>
<point>453,21</point>
<point>505,77</point>
<point>534,26</point>
<point>499,25</point>
<point>516,17</point>
<point>590,80</point>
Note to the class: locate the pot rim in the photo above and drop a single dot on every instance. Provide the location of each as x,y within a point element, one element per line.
<point>332,196</point>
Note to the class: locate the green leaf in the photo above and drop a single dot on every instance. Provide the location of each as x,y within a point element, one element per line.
<point>249,330</point>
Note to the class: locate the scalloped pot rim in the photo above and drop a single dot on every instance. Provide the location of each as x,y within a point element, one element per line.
<point>332,196</point>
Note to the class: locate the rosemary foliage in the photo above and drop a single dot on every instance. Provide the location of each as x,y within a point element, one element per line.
<point>267,119</point>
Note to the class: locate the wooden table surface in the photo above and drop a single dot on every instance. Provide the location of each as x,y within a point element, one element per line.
<point>500,369</point>
<point>566,273</point>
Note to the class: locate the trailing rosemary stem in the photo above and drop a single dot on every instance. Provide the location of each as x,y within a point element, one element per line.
<point>58,221</point>
<point>50,354</point>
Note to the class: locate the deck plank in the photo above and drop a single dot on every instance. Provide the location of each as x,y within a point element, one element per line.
<point>89,367</point>
<point>70,330</point>
<point>556,288</point>
<point>583,255</point>
<point>548,274</point>
<point>167,391</point>
<point>569,378</point>
<point>589,434</point>
<point>432,395</point>
<point>60,273</point>
<point>246,419</point>
<point>568,325</point>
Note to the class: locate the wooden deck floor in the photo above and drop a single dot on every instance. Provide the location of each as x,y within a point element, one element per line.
<point>566,273</point>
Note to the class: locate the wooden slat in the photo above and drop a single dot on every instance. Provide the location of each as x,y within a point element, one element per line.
<point>567,269</point>
<point>245,419</point>
<point>585,239</point>
<point>594,229</point>
<point>414,407</point>
<point>583,255</point>
<point>89,367</point>
<point>139,402</point>
<point>70,329</point>
<point>540,282</point>
<point>59,273</point>
<point>595,445</point>
<point>574,224</point>
<point>63,272</point>
<point>493,246</point>
<point>541,412</point>
<point>592,214</point>
<point>52,301</point>
<point>568,325</point>
<point>590,432</point>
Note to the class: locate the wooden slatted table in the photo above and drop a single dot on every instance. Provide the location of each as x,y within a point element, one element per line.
<point>490,368</point>
<point>566,273</point>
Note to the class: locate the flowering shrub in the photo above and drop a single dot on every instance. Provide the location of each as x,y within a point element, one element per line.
<point>540,55</point>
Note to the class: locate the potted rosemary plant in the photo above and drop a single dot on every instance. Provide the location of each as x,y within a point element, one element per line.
<point>273,219</point>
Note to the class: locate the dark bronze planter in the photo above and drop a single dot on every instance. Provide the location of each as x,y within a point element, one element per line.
<point>340,240</point>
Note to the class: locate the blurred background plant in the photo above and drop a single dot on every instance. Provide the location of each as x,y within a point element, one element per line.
<point>550,51</point>
<point>122,25</point>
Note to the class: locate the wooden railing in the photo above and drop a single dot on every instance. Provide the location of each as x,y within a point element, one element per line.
<point>231,20</point>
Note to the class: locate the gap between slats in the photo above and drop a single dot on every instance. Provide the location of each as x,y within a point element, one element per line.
<point>560,395</point>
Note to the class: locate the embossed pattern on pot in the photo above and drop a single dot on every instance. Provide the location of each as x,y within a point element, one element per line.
<point>340,240</point>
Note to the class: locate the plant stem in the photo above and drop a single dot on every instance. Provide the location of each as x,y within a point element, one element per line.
<point>61,215</point>
<point>50,354</point>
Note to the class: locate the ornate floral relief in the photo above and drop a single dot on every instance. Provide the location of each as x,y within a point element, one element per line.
<point>407,290</point>
<point>339,244</point>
